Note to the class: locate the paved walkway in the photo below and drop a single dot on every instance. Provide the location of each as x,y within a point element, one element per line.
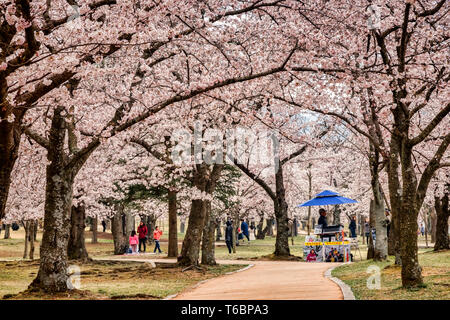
<point>270,280</point>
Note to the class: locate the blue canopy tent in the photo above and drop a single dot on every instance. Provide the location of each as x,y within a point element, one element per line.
<point>327,197</point>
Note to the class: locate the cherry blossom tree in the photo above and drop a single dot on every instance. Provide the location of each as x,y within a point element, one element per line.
<point>385,94</point>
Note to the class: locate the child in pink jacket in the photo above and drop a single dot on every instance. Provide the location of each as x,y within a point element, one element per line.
<point>134,240</point>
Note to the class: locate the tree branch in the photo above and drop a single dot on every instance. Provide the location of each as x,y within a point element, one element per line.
<point>42,141</point>
<point>430,127</point>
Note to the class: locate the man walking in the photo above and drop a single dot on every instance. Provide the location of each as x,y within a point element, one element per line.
<point>142,231</point>
<point>156,236</point>
<point>244,228</point>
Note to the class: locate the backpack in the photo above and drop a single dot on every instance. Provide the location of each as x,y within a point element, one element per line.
<point>15,226</point>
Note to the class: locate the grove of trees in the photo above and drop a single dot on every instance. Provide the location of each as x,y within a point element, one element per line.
<point>214,109</point>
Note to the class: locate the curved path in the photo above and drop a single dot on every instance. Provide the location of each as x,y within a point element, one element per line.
<point>265,280</point>
<point>269,280</point>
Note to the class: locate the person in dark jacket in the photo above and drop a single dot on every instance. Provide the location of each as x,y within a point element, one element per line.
<point>244,228</point>
<point>104,225</point>
<point>352,227</point>
<point>323,218</point>
<point>229,236</point>
<point>142,231</point>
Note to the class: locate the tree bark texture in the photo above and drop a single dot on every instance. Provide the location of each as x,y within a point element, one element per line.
<point>119,237</point>
<point>76,248</point>
<point>208,241</point>
<point>442,213</point>
<point>173,228</point>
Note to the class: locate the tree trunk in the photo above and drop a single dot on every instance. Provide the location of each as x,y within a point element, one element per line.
<point>26,227</point>
<point>361,225</point>
<point>33,224</point>
<point>29,239</point>
<point>182,225</point>
<point>190,250</point>
<point>130,223</point>
<point>282,239</point>
<point>380,248</point>
<point>309,174</point>
<point>151,224</point>
<point>173,232</point>
<point>208,243</point>
<point>337,215</point>
<point>52,275</point>
<point>411,271</point>
<point>9,147</point>
<point>281,210</point>
<point>442,213</point>
<point>35,231</point>
<point>7,232</point>
<point>295,227</point>
<point>94,227</point>
<point>395,198</point>
<point>76,248</point>
<point>391,239</point>
<point>218,230</point>
<point>269,227</point>
<point>120,239</point>
<point>370,246</point>
<point>261,233</point>
<point>191,243</point>
<point>234,234</point>
<point>433,224</point>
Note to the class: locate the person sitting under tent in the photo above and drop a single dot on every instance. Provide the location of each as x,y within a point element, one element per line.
<point>323,218</point>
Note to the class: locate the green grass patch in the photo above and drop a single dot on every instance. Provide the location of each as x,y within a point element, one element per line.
<point>111,280</point>
<point>435,271</point>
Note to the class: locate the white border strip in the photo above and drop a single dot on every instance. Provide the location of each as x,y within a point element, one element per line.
<point>345,288</point>
<point>203,281</point>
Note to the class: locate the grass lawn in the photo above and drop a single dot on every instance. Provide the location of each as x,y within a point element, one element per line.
<point>111,280</point>
<point>436,273</point>
<point>258,248</point>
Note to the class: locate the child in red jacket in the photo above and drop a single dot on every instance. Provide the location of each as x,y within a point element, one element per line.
<point>156,236</point>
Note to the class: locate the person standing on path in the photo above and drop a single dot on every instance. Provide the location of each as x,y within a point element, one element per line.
<point>244,228</point>
<point>229,236</point>
<point>104,225</point>
<point>142,231</point>
<point>156,236</point>
<point>352,227</point>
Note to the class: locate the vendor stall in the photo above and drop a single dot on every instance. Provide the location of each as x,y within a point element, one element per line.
<point>328,244</point>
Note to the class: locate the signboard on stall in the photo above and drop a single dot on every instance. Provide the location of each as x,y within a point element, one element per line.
<point>328,251</point>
